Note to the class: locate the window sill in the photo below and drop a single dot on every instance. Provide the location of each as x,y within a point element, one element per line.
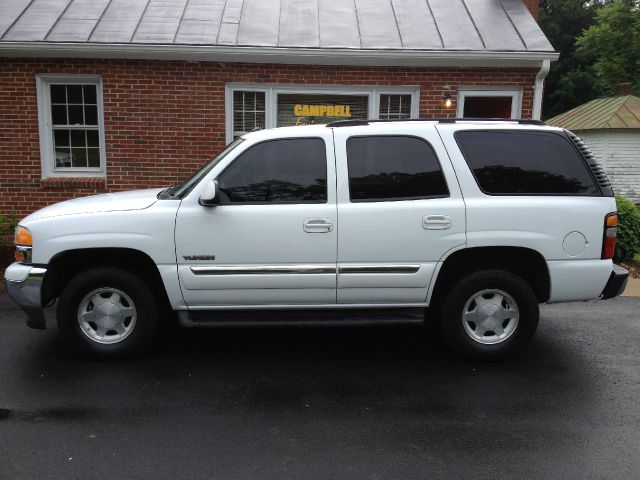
<point>73,182</point>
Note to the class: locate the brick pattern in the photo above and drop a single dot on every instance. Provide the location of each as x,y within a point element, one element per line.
<point>163,120</point>
<point>73,182</point>
<point>534,7</point>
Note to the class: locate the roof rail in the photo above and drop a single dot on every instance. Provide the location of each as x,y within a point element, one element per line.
<point>349,123</point>
<point>353,123</point>
<point>521,121</point>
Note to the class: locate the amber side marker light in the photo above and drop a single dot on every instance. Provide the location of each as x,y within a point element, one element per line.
<point>23,239</point>
<point>610,235</point>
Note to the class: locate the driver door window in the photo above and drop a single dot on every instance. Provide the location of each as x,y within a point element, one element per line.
<point>277,171</point>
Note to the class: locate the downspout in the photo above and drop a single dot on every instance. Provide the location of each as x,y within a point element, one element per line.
<point>538,88</point>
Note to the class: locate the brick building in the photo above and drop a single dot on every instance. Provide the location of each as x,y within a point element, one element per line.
<point>105,95</point>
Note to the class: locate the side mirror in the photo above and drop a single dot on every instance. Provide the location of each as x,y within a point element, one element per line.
<point>209,196</point>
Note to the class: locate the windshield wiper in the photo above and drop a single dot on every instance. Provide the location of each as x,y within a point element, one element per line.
<point>168,192</point>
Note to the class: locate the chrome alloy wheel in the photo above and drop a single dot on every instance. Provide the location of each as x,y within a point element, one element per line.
<point>490,316</point>
<point>107,315</point>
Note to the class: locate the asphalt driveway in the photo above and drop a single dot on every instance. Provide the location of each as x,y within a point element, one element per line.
<point>327,403</point>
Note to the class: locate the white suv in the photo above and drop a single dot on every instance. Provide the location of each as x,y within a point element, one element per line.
<point>352,222</point>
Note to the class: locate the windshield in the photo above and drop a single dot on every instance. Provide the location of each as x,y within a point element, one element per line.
<point>184,188</point>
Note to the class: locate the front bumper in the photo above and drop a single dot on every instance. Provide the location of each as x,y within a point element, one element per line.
<point>24,285</point>
<point>616,284</point>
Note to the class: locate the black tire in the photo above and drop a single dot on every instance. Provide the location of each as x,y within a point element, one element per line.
<point>140,335</point>
<point>516,335</point>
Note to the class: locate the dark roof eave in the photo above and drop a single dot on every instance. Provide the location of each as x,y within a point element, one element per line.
<point>293,55</point>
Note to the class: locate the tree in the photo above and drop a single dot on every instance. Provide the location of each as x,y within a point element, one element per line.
<point>572,81</point>
<point>612,45</point>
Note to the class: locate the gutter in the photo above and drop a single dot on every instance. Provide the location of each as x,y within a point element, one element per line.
<point>538,89</point>
<point>282,55</point>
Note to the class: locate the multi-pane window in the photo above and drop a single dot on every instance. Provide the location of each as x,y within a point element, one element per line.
<point>71,126</point>
<point>248,112</point>
<point>258,106</point>
<point>388,168</point>
<point>74,119</point>
<point>394,107</point>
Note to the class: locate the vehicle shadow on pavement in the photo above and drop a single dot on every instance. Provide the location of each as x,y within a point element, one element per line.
<point>276,366</point>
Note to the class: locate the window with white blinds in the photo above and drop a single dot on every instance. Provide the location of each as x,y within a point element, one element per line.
<point>394,107</point>
<point>256,106</point>
<point>249,112</point>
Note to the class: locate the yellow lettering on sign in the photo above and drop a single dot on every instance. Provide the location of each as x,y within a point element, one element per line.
<point>300,110</point>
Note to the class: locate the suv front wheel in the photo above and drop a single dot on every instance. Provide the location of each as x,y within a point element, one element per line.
<point>107,313</point>
<point>490,314</point>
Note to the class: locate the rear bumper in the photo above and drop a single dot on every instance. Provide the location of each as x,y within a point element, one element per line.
<point>616,284</point>
<point>578,280</point>
<point>24,285</point>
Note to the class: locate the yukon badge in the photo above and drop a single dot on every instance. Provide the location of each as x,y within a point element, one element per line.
<point>199,257</point>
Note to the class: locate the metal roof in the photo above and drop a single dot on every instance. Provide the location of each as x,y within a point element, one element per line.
<point>602,113</point>
<point>399,26</point>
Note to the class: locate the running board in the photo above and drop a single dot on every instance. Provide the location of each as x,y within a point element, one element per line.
<point>309,318</point>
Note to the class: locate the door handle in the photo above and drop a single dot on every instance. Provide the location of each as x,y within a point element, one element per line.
<point>317,225</point>
<point>436,222</point>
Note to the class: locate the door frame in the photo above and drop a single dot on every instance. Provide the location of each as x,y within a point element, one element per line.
<point>486,91</point>
<point>251,275</point>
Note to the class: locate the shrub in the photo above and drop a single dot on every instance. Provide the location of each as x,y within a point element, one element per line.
<point>628,243</point>
<point>7,226</point>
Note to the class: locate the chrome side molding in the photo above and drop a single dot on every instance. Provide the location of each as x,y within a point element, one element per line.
<point>303,269</point>
<point>264,270</point>
<point>379,269</point>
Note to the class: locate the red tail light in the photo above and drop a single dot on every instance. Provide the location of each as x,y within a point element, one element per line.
<point>610,235</point>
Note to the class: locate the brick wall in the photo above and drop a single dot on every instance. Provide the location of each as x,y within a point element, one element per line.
<point>163,120</point>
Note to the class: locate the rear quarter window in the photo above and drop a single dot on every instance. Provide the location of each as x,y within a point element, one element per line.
<point>507,162</point>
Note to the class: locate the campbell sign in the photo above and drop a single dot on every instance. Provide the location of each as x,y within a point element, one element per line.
<point>322,111</point>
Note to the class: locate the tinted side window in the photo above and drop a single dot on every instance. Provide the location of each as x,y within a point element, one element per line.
<point>525,163</point>
<point>393,168</point>
<point>277,171</point>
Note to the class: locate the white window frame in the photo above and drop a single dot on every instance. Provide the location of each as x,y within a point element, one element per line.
<point>47,154</point>
<point>482,91</point>
<point>411,108</point>
<point>272,91</point>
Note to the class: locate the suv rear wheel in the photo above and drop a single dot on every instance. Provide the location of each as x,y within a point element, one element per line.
<point>107,313</point>
<point>490,314</point>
